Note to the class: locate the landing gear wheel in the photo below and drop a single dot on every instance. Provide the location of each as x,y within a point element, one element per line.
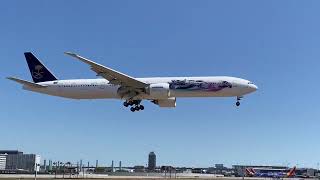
<point>238,103</point>
<point>132,109</point>
<point>125,104</point>
<point>136,103</point>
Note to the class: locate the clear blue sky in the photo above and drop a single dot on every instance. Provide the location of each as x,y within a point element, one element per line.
<point>275,44</point>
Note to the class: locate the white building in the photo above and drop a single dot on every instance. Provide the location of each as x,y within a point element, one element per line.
<point>3,160</point>
<point>37,163</point>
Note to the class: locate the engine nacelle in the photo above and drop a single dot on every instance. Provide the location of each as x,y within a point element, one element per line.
<point>170,102</point>
<point>159,91</point>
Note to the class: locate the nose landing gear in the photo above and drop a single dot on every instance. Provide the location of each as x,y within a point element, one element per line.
<point>238,101</point>
<point>136,106</point>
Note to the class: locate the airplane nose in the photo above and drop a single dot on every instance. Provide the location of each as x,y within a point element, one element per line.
<point>253,87</point>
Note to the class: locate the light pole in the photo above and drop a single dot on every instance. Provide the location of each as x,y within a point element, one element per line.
<point>64,167</point>
<point>55,170</point>
<point>69,167</point>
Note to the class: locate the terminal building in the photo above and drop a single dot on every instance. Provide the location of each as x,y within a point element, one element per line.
<point>239,170</point>
<point>13,161</point>
<point>3,161</point>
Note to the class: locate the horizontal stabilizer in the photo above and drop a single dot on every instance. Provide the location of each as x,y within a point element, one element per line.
<point>27,83</point>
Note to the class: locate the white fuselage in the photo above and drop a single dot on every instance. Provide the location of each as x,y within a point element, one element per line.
<point>214,86</point>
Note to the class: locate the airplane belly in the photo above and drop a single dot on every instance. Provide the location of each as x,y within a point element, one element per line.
<point>82,93</point>
<point>95,93</point>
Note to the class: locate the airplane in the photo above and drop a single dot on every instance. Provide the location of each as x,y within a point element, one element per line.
<point>161,91</point>
<point>270,173</point>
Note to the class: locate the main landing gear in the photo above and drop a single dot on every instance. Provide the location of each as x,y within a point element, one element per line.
<point>136,106</point>
<point>238,101</point>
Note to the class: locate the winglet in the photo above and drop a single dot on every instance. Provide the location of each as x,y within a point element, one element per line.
<point>71,54</point>
<point>75,56</point>
<point>85,60</point>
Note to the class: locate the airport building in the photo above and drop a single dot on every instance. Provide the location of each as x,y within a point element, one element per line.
<point>239,170</point>
<point>3,160</point>
<point>152,161</point>
<point>14,161</point>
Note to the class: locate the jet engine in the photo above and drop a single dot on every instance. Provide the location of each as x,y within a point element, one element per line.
<point>170,102</point>
<point>159,91</point>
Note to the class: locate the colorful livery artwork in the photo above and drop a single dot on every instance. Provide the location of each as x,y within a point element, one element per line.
<point>199,85</point>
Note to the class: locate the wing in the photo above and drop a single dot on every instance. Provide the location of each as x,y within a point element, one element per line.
<point>28,83</point>
<point>113,76</point>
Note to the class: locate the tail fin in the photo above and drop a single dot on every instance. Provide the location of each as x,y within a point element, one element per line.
<point>248,172</point>
<point>252,170</point>
<point>39,72</point>
<point>291,172</point>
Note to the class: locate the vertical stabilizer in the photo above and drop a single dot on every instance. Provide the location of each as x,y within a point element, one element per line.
<point>39,72</point>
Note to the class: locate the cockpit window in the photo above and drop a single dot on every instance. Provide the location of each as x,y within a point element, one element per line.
<point>250,82</point>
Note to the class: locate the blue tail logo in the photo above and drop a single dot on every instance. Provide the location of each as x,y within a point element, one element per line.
<point>38,71</point>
